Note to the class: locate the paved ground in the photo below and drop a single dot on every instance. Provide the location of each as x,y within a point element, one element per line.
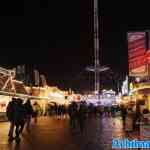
<point>52,134</point>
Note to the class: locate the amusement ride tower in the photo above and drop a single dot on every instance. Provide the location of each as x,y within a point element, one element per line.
<point>97,68</point>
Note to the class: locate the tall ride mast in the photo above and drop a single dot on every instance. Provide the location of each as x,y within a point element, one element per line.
<point>96,46</point>
<point>97,68</point>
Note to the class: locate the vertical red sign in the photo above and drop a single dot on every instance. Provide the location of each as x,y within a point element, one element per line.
<point>136,52</point>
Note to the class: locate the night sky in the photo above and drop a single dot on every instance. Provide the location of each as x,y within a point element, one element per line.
<point>56,37</point>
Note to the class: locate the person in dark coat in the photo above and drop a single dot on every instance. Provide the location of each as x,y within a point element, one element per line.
<point>72,110</point>
<point>29,112</point>
<point>10,115</point>
<point>124,114</point>
<point>19,118</point>
<point>82,112</point>
<point>59,112</point>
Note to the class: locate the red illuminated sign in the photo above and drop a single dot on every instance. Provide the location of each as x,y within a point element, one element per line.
<point>137,57</point>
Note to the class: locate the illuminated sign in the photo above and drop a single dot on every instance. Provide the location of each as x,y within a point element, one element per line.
<point>139,71</point>
<point>137,57</point>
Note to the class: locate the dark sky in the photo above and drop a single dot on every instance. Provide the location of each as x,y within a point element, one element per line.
<point>56,37</point>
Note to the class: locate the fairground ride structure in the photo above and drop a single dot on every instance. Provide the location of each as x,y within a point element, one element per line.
<point>9,86</point>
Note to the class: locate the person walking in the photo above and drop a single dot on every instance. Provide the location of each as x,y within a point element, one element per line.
<point>123,114</point>
<point>10,115</point>
<point>19,118</point>
<point>72,110</point>
<point>82,116</point>
<point>129,120</point>
<point>29,112</point>
<point>59,112</point>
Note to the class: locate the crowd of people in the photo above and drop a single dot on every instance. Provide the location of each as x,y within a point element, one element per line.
<point>19,114</point>
<point>79,112</point>
<point>76,112</point>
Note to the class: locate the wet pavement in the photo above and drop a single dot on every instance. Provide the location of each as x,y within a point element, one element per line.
<point>53,134</point>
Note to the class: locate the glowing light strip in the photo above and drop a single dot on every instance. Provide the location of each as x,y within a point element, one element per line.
<point>22,95</point>
<point>141,88</point>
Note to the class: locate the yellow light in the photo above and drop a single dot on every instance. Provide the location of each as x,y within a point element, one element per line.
<point>148,102</point>
<point>131,86</point>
